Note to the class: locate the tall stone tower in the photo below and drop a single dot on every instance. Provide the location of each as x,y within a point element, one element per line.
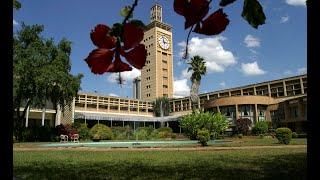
<point>157,74</point>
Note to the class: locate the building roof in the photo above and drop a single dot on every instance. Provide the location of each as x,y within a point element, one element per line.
<point>113,117</point>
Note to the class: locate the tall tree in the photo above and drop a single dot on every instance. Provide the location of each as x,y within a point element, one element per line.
<point>161,107</point>
<point>41,73</point>
<point>199,69</point>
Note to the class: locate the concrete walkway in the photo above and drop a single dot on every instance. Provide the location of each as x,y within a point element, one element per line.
<point>160,148</point>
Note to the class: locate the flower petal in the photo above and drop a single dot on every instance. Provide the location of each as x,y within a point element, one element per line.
<point>100,37</point>
<point>137,56</point>
<point>196,10</point>
<point>132,35</point>
<point>99,60</point>
<point>180,6</point>
<point>214,24</point>
<point>118,65</point>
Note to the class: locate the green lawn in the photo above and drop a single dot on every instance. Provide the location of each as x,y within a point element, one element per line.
<point>264,163</point>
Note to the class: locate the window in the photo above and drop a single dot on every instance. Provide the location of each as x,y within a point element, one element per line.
<point>165,95</point>
<point>164,61</point>
<point>165,86</point>
<point>293,112</point>
<point>165,78</point>
<point>164,70</point>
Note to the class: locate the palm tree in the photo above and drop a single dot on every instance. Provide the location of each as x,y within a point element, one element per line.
<point>198,68</point>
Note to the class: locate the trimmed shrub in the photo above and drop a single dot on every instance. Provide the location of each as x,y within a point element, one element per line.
<point>102,130</point>
<point>164,132</point>
<point>294,135</point>
<point>260,127</point>
<point>240,136</point>
<point>243,125</point>
<point>83,131</point>
<point>284,135</point>
<point>120,133</point>
<point>203,136</point>
<point>141,134</point>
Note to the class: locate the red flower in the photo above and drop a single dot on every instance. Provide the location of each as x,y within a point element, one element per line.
<point>195,10</point>
<point>192,10</point>
<point>100,60</point>
<point>100,37</point>
<point>214,24</point>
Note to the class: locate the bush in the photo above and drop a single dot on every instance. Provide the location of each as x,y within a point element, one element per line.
<point>243,125</point>
<point>120,133</point>
<point>203,136</point>
<point>294,135</point>
<point>216,123</point>
<point>142,134</point>
<point>101,130</point>
<point>240,136</point>
<point>260,127</point>
<point>42,133</point>
<point>66,129</point>
<point>284,135</point>
<point>83,131</point>
<point>164,132</point>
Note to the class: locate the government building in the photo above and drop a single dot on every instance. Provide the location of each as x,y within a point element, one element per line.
<point>283,101</point>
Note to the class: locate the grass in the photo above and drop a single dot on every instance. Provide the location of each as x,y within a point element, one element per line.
<point>228,164</point>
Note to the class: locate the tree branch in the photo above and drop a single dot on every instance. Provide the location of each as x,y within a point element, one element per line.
<point>186,54</point>
<point>130,12</point>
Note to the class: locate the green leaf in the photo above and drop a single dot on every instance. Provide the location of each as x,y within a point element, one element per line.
<point>16,4</point>
<point>116,29</point>
<point>224,3</point>
<point>253,13</point>
<point>138,23</point>
<point>125,11</point>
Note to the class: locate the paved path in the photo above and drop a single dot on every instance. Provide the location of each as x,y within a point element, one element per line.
<point>159,148</point>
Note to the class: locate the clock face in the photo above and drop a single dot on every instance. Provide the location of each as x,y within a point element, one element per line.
<point>164,42</point>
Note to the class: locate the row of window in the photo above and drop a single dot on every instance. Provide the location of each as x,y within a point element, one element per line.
<point>150,45</point>
<point>148,38</point>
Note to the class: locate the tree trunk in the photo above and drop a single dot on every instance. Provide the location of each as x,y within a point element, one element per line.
<point>20,119</point>
<point>194,94</point>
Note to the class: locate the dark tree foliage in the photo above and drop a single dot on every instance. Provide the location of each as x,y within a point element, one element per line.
<point>41,72</point>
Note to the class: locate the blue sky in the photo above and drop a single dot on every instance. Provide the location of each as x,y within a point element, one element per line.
<point>240,55</point>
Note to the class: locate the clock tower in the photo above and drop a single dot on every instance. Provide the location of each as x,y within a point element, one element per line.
<point>157,74</point>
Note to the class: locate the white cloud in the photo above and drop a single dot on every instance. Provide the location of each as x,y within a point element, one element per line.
<point>251,69</point>
<point>15,23</point>
<point>128,76</point>
<point>302,70</point>
<point>112,94</point>
<point>252,41</point>
<point>253,51</point>
<point>288,72</point>
<point>181,88</point>
<point>185,74</point>
<point>296,2</point>
<point>179,63</point>
<point>211,49</point>
<point>222,84</point>
<point>284,19</point>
